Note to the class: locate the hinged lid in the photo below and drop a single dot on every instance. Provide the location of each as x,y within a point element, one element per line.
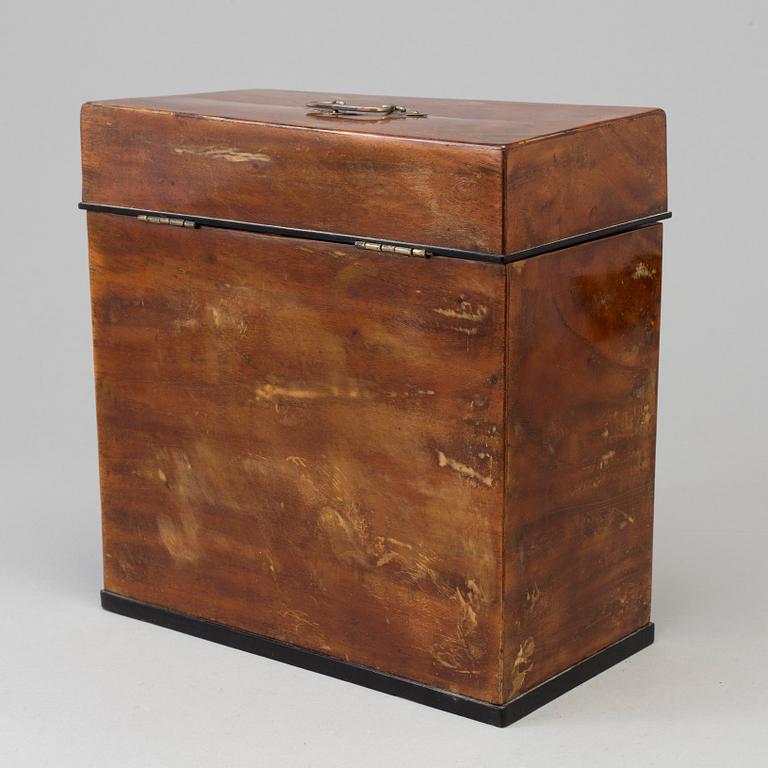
<point>477,176</point>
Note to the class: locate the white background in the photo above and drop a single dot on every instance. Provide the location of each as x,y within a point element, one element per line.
<point>79,687</point>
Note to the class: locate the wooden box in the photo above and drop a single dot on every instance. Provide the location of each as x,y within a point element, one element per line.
<point>376,388</point>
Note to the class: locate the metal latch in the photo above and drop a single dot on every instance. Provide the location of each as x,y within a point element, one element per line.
<point>367,245</point>
<point>170,221</point>
<point>339,107</point>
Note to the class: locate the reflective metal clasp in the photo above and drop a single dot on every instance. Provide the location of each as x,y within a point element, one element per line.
<point>337,107</point>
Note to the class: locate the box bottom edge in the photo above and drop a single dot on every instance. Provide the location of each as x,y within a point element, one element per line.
<point>500,715</point>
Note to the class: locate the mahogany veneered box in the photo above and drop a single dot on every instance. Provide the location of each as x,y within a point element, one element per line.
<point>376,385</point>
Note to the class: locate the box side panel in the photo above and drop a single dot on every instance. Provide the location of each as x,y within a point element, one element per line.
<point>583,330</point>
<point>303,440</point>
<point>424,192</point>
<point>580,181</point>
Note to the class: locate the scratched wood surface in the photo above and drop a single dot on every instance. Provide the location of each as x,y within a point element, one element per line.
<point>459,121</point>
<point>582,359</point>
<point>570,183</point>
<point>485,176</point>
<point>305,441</point>
<point>394,189</point>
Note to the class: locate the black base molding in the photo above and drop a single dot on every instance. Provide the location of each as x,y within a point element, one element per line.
<point>499,715</point>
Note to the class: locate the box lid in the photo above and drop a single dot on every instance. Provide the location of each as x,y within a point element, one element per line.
<point>480,177</point>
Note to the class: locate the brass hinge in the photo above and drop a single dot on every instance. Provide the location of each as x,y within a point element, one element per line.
<point>173,222</point>
<point>367,245</point>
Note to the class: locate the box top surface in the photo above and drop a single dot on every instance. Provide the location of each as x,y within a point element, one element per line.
<point>464,121</point>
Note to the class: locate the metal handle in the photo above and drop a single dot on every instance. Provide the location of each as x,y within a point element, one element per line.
<point>339,107</point>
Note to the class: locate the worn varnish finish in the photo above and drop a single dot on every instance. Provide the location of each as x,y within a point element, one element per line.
<point>493,177</point>
<point>582,362</point>
<point>562,185</point>
<point>305,441</point>
<point>452,121</point>
<point>287,448</point>
<point>438,468</point>
<point>432,193</point>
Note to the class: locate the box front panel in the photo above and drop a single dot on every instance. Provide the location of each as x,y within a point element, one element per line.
<point>424,192</point>
<point>304,441</point>
<point>581,427</point>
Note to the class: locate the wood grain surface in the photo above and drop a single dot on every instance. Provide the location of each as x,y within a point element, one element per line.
<point>581,181</point>
<point>492,177</point>
<point>457,121</point>
<point>305,441</point>
<point>582,362</point>
<point>373,187</point>
<point>438,468</point>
